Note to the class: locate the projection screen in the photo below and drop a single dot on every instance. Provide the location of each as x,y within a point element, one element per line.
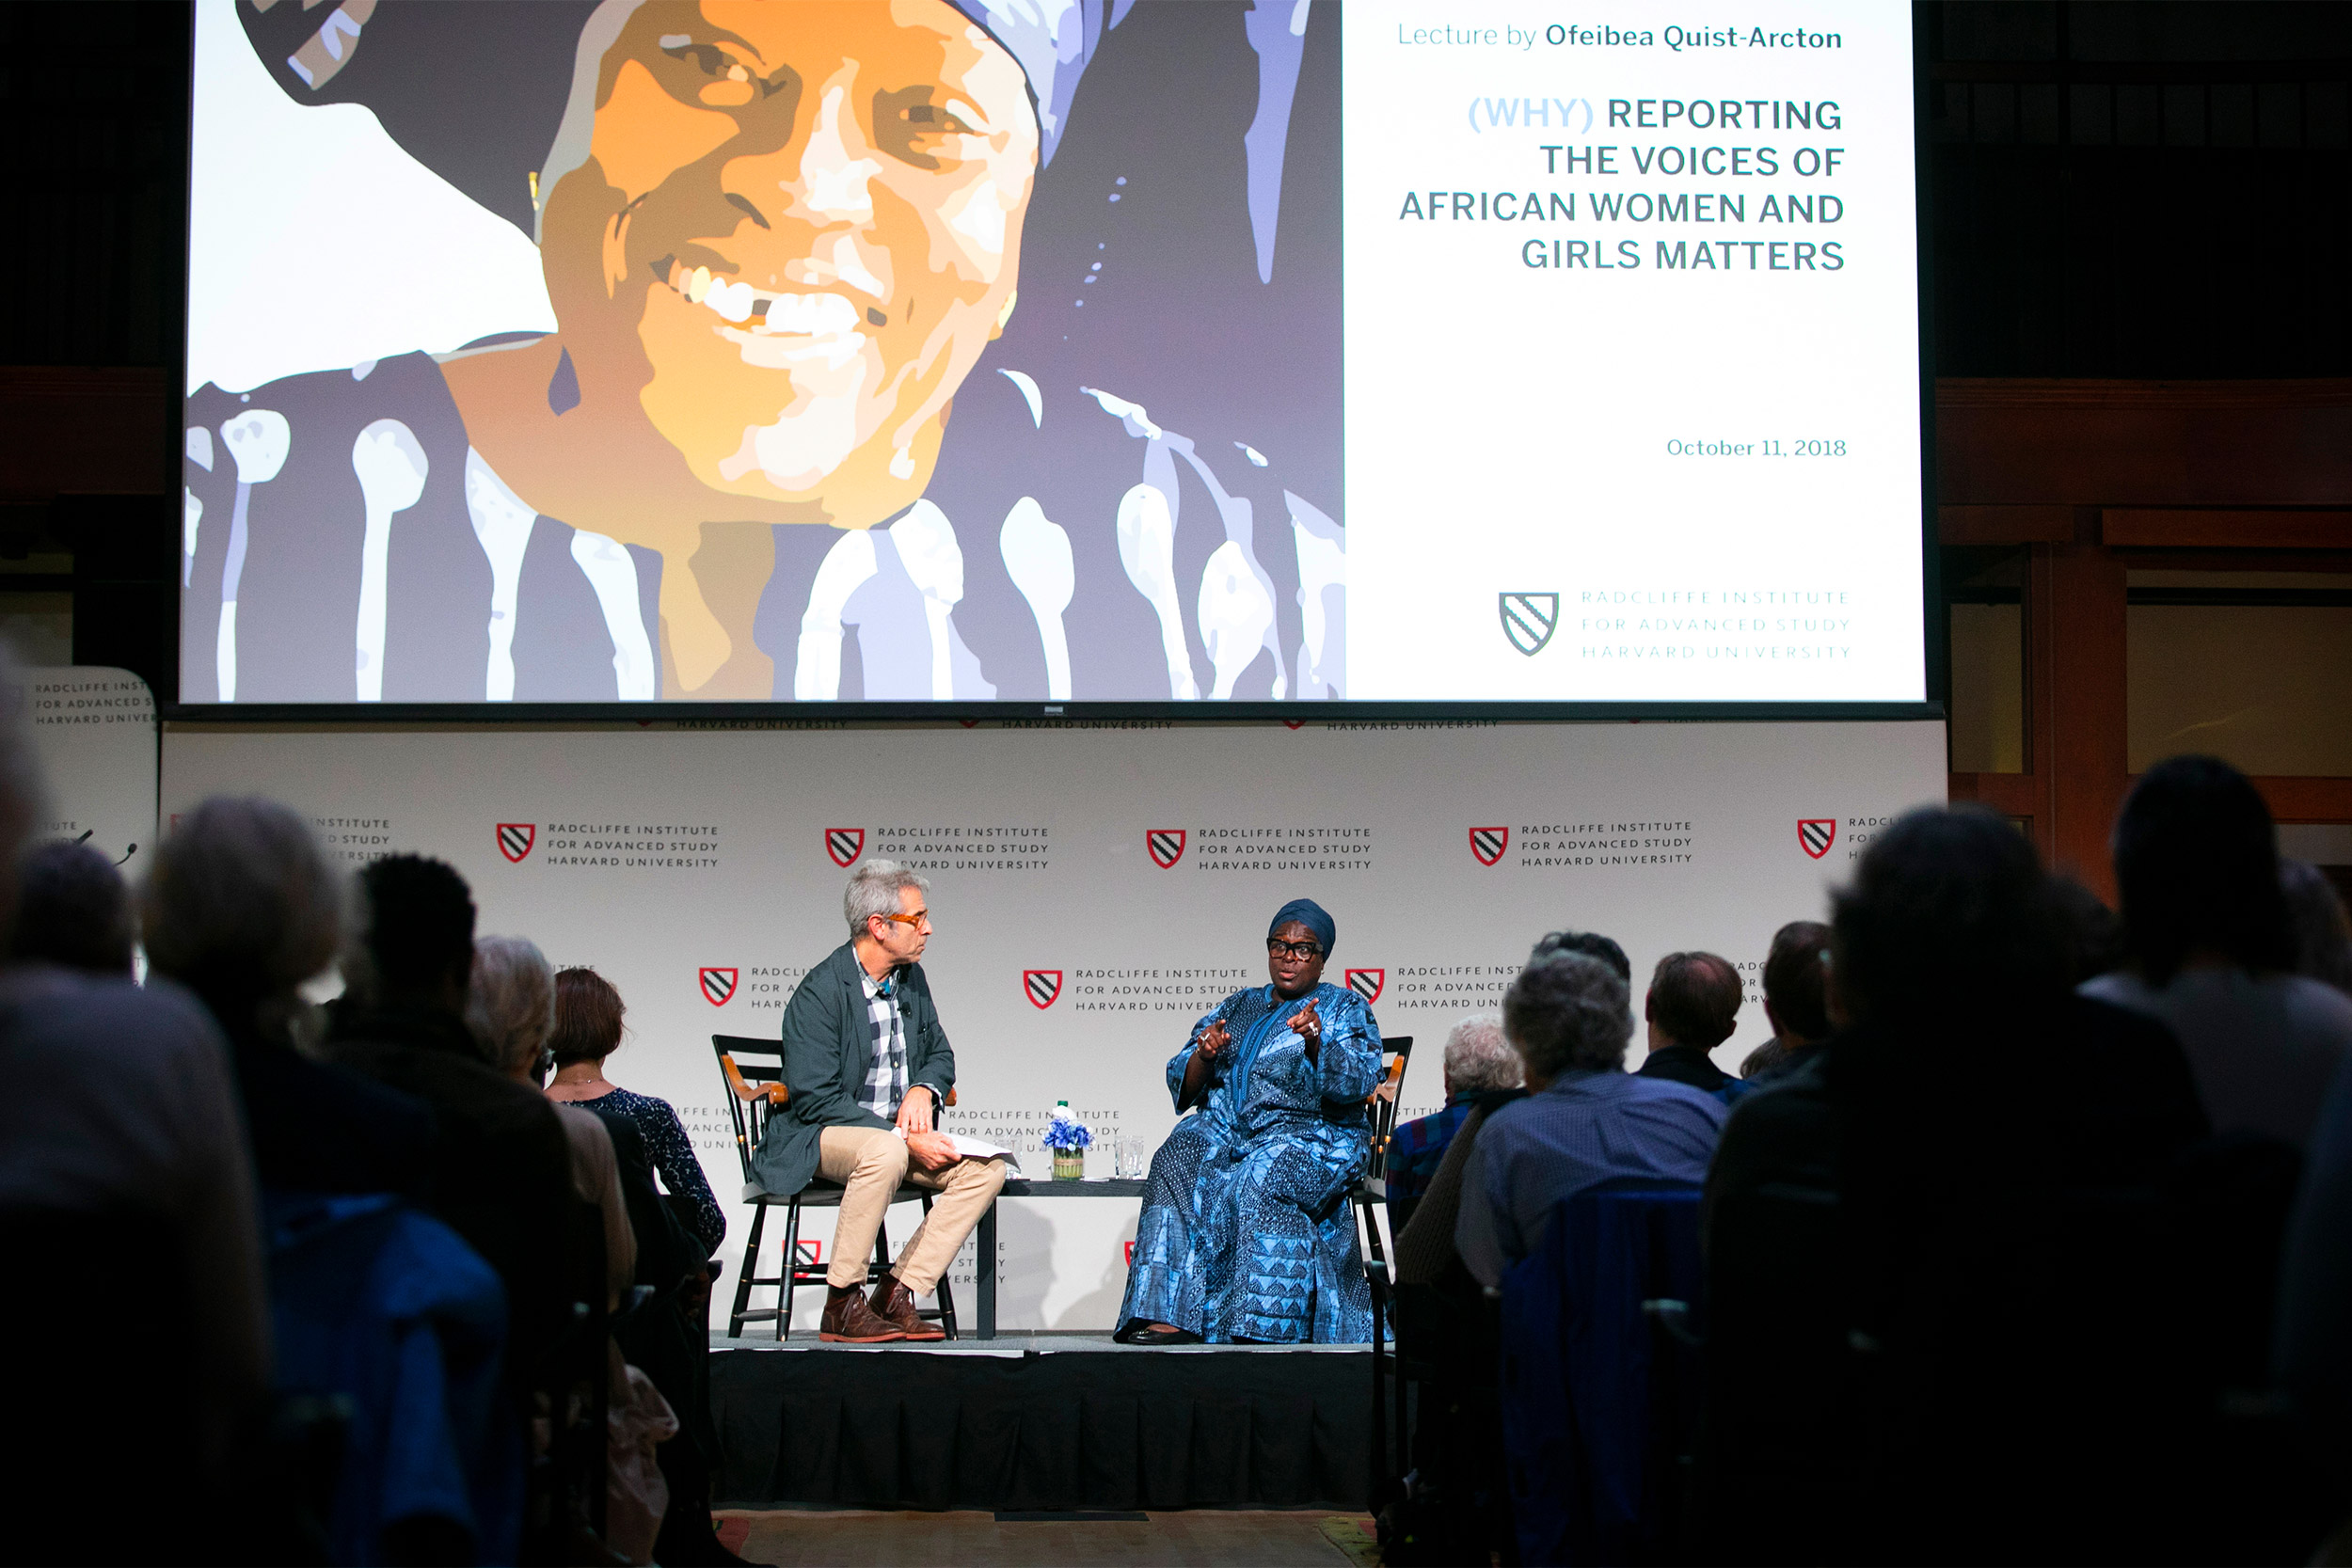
<point>1047,351</point>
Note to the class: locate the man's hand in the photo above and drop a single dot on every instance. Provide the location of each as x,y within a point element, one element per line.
<point>1215,1038</point>
<point>931,1151</point>
<point>915,1111</point>
<point>1310,1028</point>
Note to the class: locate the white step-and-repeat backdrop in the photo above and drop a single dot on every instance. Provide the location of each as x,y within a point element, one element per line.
<point>94,731</point>
<point>1095,887</point>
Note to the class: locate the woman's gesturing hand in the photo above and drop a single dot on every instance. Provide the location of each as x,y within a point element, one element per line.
<point>1310,1026</point>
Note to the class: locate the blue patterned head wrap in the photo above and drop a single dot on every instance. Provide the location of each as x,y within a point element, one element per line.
<point>1310,915</point>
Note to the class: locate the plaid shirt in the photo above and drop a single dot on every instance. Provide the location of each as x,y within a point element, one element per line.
<point>887,1073</point>
<point>1417,1149</point>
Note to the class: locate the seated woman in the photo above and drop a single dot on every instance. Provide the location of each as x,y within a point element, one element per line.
<point>1246,1236</point>
<point>588,1012</point>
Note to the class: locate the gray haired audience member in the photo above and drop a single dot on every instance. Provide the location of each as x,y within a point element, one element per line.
<point>242,907</point>
<point>1796,1000</point>
<point>2323,933</point>
<point>73,909</point>
<point>1479,1064</point>
<point>510,1006</point>
<point>1478,1058</point>
<point>1585,1120</point>
<point>2213,949</point>
<point>124,1178</point>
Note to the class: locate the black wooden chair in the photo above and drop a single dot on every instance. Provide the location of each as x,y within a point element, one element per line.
<point>756,1091</point>
<point>1371,1195</point>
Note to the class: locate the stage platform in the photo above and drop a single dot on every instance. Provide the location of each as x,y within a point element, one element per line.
<point>1041,1423</point>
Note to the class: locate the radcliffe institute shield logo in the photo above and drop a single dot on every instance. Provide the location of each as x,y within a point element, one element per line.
<point>1042,986</point>
<point>1815,834</point>
<point>718,985</point>
<point>1488,844</point>
<point>1528,620</point>
<point>845,845</point>
<point>515,839</point>
<point>1368,983</point>
<point>1166,845</point>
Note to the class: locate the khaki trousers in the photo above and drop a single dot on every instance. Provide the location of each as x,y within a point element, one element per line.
<point>870,1163</point>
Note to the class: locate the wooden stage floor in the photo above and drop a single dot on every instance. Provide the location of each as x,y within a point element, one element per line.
<point>1311,1538</point>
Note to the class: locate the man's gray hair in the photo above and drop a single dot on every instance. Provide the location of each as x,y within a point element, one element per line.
<point>511,1008</point>
<point>874,890</point>
<point>1566,1011</point>
<point>241,904</point>
<point>1478,1058</point>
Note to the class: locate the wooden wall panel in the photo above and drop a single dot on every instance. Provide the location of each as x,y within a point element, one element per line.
<point>2144,444</point>
<point>70,430</point>
<point>2214,528</point>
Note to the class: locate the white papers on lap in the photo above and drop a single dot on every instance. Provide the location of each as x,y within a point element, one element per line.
<point>972,1148</point>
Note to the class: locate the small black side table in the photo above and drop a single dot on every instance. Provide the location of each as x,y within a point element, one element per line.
<point>984,1235</point>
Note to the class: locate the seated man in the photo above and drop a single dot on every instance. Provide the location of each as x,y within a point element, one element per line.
<point>1585,1120</point>
<point>870,1068</point>
<point>73,910</point>
<point>500,1170</point>
<point>1875,1220</point>
<point>1796,1000</point>
<point>1592,944</point>
<point>1245,1235</point>
<point>1692,1003</point>
<point>1478,1060</point>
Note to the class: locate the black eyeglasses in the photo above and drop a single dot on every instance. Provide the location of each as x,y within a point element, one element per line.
<point>1277,948</point>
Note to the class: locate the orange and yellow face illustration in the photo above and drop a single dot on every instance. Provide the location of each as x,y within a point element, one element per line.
<point>785,234</point>
<point>795,230</point>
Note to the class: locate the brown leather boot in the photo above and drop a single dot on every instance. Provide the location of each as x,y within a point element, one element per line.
<point>847,1319</point>
<point>895,1304</point>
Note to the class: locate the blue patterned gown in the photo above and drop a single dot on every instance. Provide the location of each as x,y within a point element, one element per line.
<point>1247,1232</point>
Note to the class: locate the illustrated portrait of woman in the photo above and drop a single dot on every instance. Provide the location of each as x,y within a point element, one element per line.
<point>902,350</point>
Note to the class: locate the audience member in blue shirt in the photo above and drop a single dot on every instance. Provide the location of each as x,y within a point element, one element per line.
<point>1585,1120</point>
<point>1477,1060</point>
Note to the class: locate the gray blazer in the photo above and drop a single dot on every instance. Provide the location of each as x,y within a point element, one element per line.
<point>828,1047</point>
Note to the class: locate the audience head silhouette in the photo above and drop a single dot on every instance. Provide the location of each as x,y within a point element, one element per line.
<point>1564,1012</point>
<point>74,910</point>
<point>511,1005</point>
<point>1948,922</point>
<point>415,946</point>
<point>2196,866</point>
<point>2323,935</point>
<point>588,1013</point>
<point>2094,931</point>
<point>1592,944</point>
<point>1796,981</point>
<point>241,906</point>
<point>1693,999</point>
<point>23,800</point>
